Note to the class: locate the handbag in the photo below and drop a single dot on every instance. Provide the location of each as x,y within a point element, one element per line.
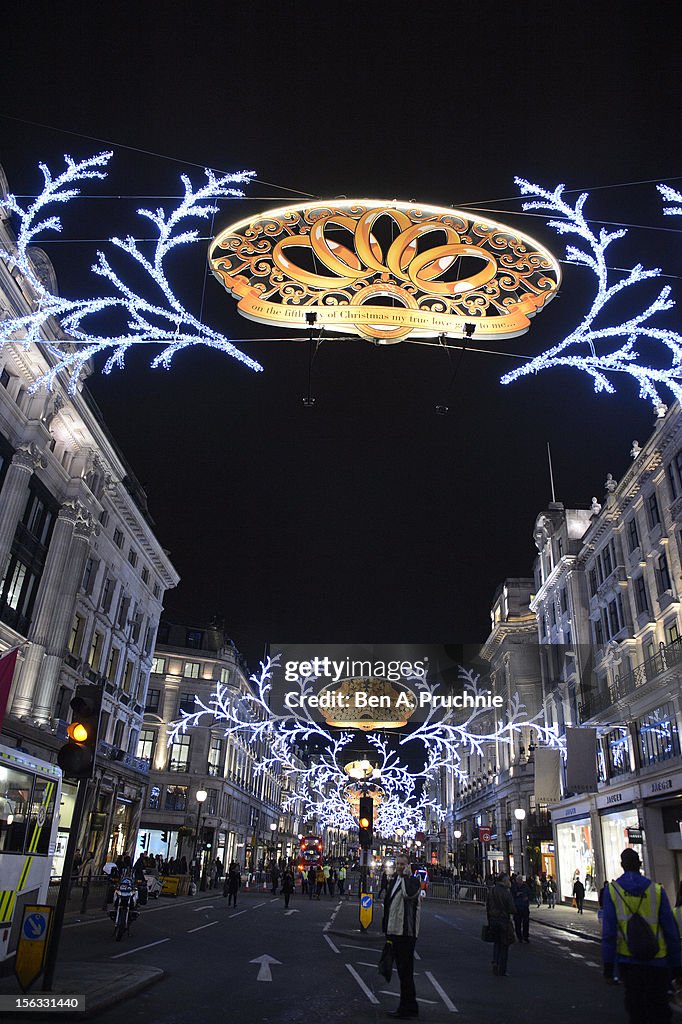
<point>487,933</point>
<point>385,965</point>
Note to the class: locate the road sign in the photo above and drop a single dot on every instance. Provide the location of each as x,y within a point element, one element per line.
<point>264,972</point>
<point>35,928</point>
<point>366,910</point>
<point>484,834</point>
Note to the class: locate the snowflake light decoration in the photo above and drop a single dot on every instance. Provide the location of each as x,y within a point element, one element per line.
<point>321,784</point>
<point>160,320</point>
<point>603,351</point>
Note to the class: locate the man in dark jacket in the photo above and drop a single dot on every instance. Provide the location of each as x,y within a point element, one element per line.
<point>500,906</point>
<point>645,981</point>
<point>402,907</point>
<point>520,891</point>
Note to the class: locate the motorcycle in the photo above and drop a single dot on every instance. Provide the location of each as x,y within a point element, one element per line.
<point>124,912</point>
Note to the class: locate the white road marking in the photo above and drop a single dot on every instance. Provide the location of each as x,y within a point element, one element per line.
<point>238,914</point>
<point>276,900</point>
<point>370,995</point>
<point>197,910</point>
<point>201,926</point>
<point>260,905</point>
<point>578,956</point>
<point>442,993</point>
<point>288,913</point>
<point>335,948</point>
<point>416,955</point>
<point>264,961</point>
<point>365,949</point>
<point>390,992</point>
<point>138,948</point>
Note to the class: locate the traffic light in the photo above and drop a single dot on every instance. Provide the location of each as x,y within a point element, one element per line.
<point>366,821</point>
<point>77,756</point>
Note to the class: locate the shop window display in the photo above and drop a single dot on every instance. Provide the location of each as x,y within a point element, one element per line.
<point>576,855</point>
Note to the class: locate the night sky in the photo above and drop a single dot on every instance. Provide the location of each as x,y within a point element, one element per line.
<point>367,518</point>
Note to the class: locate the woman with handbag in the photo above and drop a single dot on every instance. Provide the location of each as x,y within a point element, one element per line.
<point>500,909</point>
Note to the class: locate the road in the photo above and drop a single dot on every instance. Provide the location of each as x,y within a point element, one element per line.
<point>259,963</point>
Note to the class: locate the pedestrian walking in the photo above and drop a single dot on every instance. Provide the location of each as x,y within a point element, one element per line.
<point>342,880</point>
<point>500,908</point>
<point>640,935</point>
<point>232,885</point>
<point>402,908</point>
<point>521,896</point>
<point>551,893</point>
<point>319,882</point>
<point>579,894</point>
<point>287,887</point>
<point>312,877</point>
<point>274,877</point>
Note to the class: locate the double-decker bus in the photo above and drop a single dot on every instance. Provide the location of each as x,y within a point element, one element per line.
<point>309,852</point>
<point>30,795</point>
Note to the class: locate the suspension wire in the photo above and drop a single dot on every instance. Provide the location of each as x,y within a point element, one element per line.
<point>146,152</point>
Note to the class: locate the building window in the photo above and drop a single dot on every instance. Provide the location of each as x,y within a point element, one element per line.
<point>122,616</point>
<point>673,481</point>
<point>657,735</point>
<point>176,798</point>
<point>145,575</point>
<point>225,675</point>
<point>663,581</point>
<point>17,594</point>
<point>633,534</point>
<point>211,805</point>
<point>128,677</point>
<point>178,760</point>
<point>192,669</point>
<point>107,594</point>
<point>158,666</point>
<point>641,596</point>
<point>564,601</point>
<point>215,756</point>
<point>146,744</point>
<point>187,702</point>
<point>118,538</point>
<point>112,666</point>
<point>618,751</point>
<point>104,518</point>
<point>154,798</point>
<point>607,560</point>
<point>194,638</point>
<point>132,557</point>
<point>157,591</point>
<point>593,582</point>
<point>5,377</point>
<point>117,741</point>
<point>653,511</point>
<point>89,575</point>
<point>63,700</point>
<point>76,638</point>
<point>95,655</point>
<point>672,633</point>
<point>152,702</point>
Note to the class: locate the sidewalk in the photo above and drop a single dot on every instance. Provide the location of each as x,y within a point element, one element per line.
<point>586,925</point>
<point>102,984</point>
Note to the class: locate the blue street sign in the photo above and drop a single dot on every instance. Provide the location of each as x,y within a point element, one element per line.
<point>35,925</point>
<point>367,901</point>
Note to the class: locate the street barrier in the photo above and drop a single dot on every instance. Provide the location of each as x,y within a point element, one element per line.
<point>457,892</point>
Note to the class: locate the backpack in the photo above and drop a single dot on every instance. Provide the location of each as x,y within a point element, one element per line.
<point>642,942</point>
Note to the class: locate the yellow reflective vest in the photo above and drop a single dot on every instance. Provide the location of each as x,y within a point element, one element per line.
<point>648,906</point>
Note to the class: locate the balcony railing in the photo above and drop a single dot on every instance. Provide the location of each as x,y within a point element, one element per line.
<point>665,658</point>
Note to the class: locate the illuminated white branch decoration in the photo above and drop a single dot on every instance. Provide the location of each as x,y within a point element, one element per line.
<point>323,784</point>
<point>603,351</point>
<point>671,195</point>
<point>159,320</point>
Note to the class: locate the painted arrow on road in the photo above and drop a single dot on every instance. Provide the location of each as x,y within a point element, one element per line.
<point>264,973</point>
<point>287,913</point>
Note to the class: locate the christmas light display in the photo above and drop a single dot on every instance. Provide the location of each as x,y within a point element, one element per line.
<point>322,783</point>
<point>162,320</point>
<point>603,351</point>
<point>672,196</point>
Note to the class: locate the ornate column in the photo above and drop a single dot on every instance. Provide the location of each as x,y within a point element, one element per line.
<point>25,461</point>
<point>58,609</point>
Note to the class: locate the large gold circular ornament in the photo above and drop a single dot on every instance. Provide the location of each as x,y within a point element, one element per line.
<point>384,270</point>
<point>368,703</point>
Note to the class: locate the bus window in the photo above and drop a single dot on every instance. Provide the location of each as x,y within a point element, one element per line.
<point>15,794</point>
<point>42,810</point>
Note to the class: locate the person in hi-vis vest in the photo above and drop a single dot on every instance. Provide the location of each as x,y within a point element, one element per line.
<point>645,980</point>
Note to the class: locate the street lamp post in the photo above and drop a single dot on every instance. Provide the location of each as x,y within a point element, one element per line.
<point>520,816</point>
<point>273,848</point>
<point>201,796</point>
<point>458,835</point>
